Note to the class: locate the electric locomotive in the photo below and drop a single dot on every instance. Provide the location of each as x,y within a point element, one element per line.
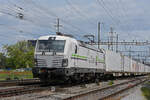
<point>64,58</point>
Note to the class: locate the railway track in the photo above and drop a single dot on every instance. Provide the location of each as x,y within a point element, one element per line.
<point>106,92</point>
<point>19,82</point>
<point>95,92</point>
<point>21,90</point>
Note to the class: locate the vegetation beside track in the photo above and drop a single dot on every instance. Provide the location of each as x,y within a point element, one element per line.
<point>111,82</point>
<point>146,90</point>
<point>11,75</point>
<point>16,56</point>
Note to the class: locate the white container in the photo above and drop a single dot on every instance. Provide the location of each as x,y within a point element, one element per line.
<point>134,66</point>
<point>147,68</point>
<point>113,61</point>
<point>142,67</point>
<point>127,64</point>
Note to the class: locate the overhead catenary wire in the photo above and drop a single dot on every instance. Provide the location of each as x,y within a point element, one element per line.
<point>48,15</point>
<point>14,15</point>
<point>24,20</point>
<point>122,5</point>
<point>115,12</point>
<point>21,31</point>
<point>122,11</point>
<point>109,13</point>
<point>79,12</point>
<point>55,16</point>
<point>76,10</point>
<point>28,14</point>
<point>124,16</point>
<point>15,5</point>
<point>28,32</point>
<point>68,28</point>
<point>18,33</point>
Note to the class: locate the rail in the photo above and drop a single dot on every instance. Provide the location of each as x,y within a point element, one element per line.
<point>20,90</point>
<point>18,82</point>
<point>94,92</point>
<point>106,92</point>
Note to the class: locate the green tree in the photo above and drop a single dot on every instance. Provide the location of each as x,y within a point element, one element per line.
<point>19,55</point>
<point>2,60</point>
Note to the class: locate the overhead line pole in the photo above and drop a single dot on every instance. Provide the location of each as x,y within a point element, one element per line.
<point>58,26</point>
<point>99,35</point>
<point>117,43</point>
<point>111,38</point>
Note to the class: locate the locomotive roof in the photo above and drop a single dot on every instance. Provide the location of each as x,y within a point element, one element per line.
<point>60,37</point>
<point>57,37</point>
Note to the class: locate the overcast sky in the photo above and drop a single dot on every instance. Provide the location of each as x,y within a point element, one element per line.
<point>129,18</point>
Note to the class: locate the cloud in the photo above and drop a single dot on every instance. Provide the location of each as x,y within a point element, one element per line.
<point>126,16</point>
<point>1,14</point>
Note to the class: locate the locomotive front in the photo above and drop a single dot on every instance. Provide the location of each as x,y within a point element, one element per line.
<point>50,61</point>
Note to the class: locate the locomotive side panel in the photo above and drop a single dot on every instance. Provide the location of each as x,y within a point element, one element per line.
<point>82,57</point>
<point>72,59</point>
<point>88,60</point>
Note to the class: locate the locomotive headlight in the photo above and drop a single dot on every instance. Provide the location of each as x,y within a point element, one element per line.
<point>64,62</point>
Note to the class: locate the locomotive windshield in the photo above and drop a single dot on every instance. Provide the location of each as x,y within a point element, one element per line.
<point>51,45</point>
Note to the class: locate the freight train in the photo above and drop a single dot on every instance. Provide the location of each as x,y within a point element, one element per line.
<point>65,58</point>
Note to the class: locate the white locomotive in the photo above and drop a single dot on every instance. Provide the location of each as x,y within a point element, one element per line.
<point>64,58</point>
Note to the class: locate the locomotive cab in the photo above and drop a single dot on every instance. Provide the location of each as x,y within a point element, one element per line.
<point>51,56</point>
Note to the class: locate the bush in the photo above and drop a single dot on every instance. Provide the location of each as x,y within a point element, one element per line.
<point>111,83</point>
<point>8,78</point>
<point>146,91</point>
<point>16,78</point>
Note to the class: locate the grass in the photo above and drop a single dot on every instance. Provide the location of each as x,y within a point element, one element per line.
<point>146,90</point>
<point>6,75</point>
<point>111,83</point>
